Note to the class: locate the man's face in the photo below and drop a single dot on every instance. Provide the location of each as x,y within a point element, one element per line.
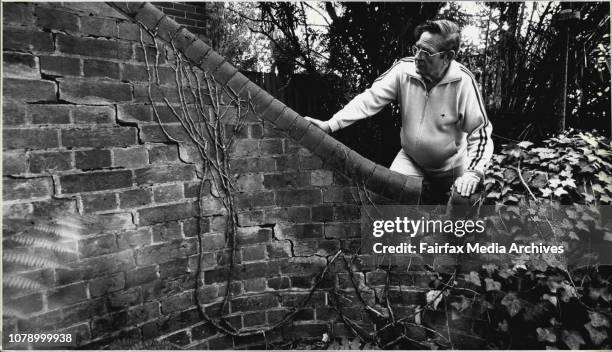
<point>432,67</point>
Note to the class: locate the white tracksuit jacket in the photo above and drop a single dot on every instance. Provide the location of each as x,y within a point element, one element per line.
<point>442,128</point>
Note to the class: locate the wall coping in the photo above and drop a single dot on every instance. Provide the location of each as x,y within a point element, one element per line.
<point>375,177</point>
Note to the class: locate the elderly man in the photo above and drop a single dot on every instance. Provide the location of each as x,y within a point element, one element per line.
<point>445,135</point>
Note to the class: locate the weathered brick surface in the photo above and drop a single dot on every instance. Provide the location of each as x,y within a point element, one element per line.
<point>78,124</point>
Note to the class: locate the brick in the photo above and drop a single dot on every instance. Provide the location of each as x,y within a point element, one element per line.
<point>253,235</point>
<point>174,268</point>
<point>168,194</point>
<point>166,231</point>
<point>271,147</point>
<point>298,197</point>
<point>42,114</point>
<point>96,181</point>
<point>110,49</point>
<point>278,283</point>
<point>141,276</point>
<point>307,231</point>
<point>322,213</point>
<point>279,249</point>
<point>163,174</point>
<point>253,253</point>
<point>60,66</point>
<point>102,286</point>
<point>95,115</point>
<point>13,113</point>
<point>99,202</point>
<point>161,253</point>
<point>101,27</point>
<point>99,137</point>
<point>130,157</point>
<point>66,295</point>
<point>97,246</point>
<point>143,313</point>
<point>180,338</point>
<point>302,266</point>
<point>133,239</point>
<point>134,113</point>
<point>163,154</point>
<point>13,163</point>
<point>20,65</point>
<point>83,91</point>
<point>154,134</point>
<point>129,31</point>
<point>167,213</point>
<point>29,90</point>
<point>250,182</point>
<point>100,68</point>
<point>92,159</point>
<point>54,19</point>
<point>27,188</point>
<point>26,39</point>
<point>177,303</point>
<point>25,304</point>
<point>255,200</point>
<point>18,13</point>
<point>260,302</point>
<point>50,162</point>
<point>125,298</point>
<point>244,148</point>
<point>322,177</point>
<point>286,180</point>
<point>135,198</point>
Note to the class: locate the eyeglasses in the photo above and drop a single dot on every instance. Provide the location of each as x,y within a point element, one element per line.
<point>416,51</point>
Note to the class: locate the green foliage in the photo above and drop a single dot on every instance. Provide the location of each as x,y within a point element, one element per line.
<point>573,167</point>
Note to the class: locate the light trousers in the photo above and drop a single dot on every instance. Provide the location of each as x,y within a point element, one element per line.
<point>436,184</point>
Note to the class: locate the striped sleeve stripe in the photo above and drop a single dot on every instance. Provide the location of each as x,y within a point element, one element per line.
<point>479,152</point>
<point>406,59</point>
<point>478,97</point>
<point>481,135</point>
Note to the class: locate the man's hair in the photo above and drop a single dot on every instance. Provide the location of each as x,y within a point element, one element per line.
<point>448,29</point>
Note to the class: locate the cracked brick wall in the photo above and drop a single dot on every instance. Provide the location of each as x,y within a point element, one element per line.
<point>79,134</point>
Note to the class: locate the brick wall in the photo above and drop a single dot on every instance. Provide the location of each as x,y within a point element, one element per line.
<point>80,135</point>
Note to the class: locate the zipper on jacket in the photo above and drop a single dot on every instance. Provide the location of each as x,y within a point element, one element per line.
<point>416,140</point>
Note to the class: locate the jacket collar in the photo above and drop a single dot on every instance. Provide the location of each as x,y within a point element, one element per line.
<point>452,74</point>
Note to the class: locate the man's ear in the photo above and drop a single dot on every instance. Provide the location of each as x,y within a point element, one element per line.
<point>450,55</point>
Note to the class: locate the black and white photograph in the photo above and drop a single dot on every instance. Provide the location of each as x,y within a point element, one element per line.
<point>306,175</point>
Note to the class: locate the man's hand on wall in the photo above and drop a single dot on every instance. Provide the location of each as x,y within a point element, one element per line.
<point>466,184</point>
<point>324,125</point>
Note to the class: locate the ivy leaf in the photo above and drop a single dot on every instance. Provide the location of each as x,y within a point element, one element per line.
<point>606,199</point>
<point>572,339</point>
<point>582,226</point>
<point>512,303</point>
<point>569,183</point>
<point>503,326</point>
<point>573,236</point>
<point>492,285</point>
<point>546,334</point>
<point>524,144</point>
<point>598,319</point>
<point>597,336</point>
<point>473,278</point>
<point>560,191</point>
<point>588,198</point>
<point>554,182</point>
<point>566,173</point>
<point>597,188</point>
<point>603,177</point>
<point>550,298</point>
<point>546,192</point>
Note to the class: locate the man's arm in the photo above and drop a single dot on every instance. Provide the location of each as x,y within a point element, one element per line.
<point>372,100</point>
<point>479,143</point>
